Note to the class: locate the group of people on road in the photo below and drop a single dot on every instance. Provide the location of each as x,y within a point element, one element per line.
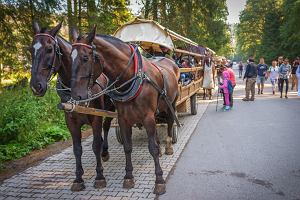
<point>279,73</point>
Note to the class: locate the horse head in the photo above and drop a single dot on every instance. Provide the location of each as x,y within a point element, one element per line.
<point>44,51</point>
<point>86,64</point>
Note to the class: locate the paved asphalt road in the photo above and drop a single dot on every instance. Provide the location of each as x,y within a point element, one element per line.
<point>251,152</point>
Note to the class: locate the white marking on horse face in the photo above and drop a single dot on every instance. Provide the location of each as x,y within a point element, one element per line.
<point>74,54</point>
<point>36,47</point>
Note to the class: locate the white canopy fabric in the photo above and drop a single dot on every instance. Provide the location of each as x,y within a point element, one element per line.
<point>149,31</point>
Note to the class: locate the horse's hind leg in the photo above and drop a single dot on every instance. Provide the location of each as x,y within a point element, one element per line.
<point>106,127</point>
<point>100,181</point>
<point>170,121</point>
<point>74,128</point>
<point>150,126</point>
<point>126,132</point>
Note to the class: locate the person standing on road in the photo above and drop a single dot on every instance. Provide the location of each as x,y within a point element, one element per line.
<point>284,73</point>
<point>208,77</point>
<point>262,69</point>
<point>226,90</point>
<point>273,75</point>
<point>298,77</point>
<point>233,82</point>
<point>250,76</point>
<point>293,74</point>
<point>241,69</point>
<point>280,61</point>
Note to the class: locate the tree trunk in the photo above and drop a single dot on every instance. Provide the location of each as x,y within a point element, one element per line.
<point>79,16</point>
<point>154,10</point>
<point>147,9</point>
<point>91,11</point>
<point>163,11</point>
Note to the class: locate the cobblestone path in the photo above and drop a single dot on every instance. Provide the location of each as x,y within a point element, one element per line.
<point>52,178</point>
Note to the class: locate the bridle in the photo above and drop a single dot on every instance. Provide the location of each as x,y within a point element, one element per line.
<point>91,76</point>
<point>53,70</point>
<point>111,87</point>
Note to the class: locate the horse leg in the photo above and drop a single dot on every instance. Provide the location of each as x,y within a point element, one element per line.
<point>158,143</point>
<point>100,181</point>
<point>150,126</point>
<point>126,132</point>
<point>74,128</point>
<point>170,121</point>
<point>106,127</point>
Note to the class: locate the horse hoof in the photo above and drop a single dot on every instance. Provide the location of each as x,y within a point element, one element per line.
<point>128,183</point>
<point>105,158</point>
<point>160,188</point>
<point>169,151</point>
<point>76,187</point>
<point>99,184</point>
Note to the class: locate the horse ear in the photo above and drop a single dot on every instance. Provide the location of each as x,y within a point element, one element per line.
<point>74,34</point>
<point>35,27</point>
<point>55,30</point>
<point>91,35</point>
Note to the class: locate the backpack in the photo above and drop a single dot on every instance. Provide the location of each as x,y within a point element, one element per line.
<point>230,87</point>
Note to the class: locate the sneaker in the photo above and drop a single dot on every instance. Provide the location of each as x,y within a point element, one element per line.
<point>286,97</point>
<point>245,99</point>
<point>252,99</point>
<point>227,108</point>
<point>261,92</point>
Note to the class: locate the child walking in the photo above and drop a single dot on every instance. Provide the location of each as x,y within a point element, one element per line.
<point>225,86</point>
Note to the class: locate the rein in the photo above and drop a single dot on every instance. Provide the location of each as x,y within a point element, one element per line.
<point>109,88</point>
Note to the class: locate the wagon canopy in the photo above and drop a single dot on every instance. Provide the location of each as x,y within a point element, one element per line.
<point>149,33</point>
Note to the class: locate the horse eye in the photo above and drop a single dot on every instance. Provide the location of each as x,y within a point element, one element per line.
<point>85,58</point>
<point>49,49</point>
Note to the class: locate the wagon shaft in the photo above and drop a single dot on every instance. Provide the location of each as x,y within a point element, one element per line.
<point>86,110</point>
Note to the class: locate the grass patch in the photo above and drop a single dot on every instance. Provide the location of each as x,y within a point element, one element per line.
<point>28,122</point>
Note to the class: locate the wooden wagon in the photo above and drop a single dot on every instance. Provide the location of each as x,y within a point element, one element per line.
<point>149,34</point>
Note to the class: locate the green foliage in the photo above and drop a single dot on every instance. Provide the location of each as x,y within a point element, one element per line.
<point>268,29</point>
<point>28,122</point>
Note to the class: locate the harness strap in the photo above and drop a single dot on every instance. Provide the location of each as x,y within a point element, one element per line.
<point>163,93</point>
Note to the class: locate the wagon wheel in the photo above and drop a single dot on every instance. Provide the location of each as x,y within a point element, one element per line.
<point>119,135</point>
<point>193,101</point>
<point>174,134</point>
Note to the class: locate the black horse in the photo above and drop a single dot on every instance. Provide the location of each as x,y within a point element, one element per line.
<point>51,54</point>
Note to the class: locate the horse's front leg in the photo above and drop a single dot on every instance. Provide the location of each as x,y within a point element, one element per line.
<point>74,127</point>
<point>126,131</point>
<point>100,181</point>
<point>150,126</point>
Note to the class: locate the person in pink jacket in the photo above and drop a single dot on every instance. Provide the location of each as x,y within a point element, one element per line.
<point>225,88</point>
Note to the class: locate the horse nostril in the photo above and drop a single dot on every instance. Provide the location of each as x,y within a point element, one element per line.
<point>39,87</point>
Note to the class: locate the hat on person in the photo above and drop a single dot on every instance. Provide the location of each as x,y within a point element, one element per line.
<point>251,60</point>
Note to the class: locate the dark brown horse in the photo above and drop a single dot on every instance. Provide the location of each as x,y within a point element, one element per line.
<point>50,55</point>
<point>139,89</point>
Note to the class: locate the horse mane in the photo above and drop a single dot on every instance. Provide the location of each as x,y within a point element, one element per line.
<point>111,39</point>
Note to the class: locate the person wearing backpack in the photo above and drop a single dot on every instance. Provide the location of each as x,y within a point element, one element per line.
<point>226,86</point>
<point>250,76</point>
